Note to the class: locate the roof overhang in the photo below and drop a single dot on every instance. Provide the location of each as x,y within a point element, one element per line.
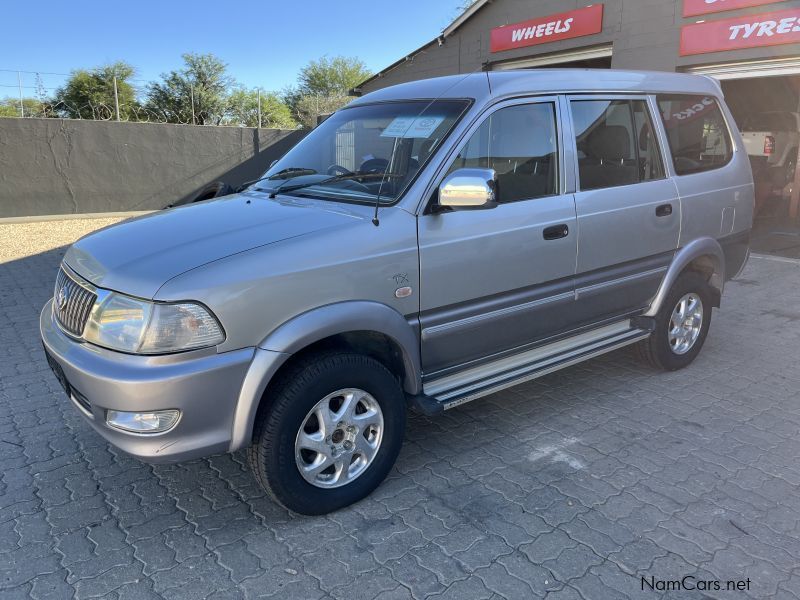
<point>464,16</point>
<point>459,21</point>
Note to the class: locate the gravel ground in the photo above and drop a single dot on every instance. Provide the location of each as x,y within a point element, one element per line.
<point>20,240</point>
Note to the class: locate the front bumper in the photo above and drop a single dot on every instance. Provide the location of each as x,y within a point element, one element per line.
<point>203,385</point>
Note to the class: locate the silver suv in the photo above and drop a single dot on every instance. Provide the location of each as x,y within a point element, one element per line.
<point>427,245</point>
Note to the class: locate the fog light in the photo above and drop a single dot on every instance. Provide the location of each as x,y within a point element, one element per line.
<point>144,422</point>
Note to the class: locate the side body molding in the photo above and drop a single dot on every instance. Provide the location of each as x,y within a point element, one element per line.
<point>310,327</point>
<point>705,248</point>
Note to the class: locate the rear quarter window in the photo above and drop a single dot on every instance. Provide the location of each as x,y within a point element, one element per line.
<point>698,136</point>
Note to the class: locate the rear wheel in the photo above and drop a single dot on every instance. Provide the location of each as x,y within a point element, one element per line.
<point>681,324</point>
<point>330,434</point>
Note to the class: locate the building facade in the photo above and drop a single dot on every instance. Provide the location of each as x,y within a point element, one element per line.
<point>734,40</point>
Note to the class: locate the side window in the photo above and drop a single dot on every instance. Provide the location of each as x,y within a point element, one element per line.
<point>615,142</point>
<point>699,139</point>
<point>520,144</point>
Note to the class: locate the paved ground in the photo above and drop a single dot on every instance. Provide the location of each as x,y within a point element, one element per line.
<point>776,236</point>
<point>572,487</point>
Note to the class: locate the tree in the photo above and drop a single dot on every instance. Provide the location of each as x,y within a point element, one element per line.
<point>89,94</point>
<point>309,108</point>
<point>332,77</point>
<point>243,110</point>
<point>196,94</point>
<point>9,107</point>
<point>325,85</point>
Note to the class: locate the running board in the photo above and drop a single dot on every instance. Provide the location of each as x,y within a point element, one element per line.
<point>471,384</point>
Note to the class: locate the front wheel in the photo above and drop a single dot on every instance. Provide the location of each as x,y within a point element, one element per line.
<point>330,434</point>
<point>681,324</point>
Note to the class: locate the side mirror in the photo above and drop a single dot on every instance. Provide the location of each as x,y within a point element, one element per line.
<point>469,189</point>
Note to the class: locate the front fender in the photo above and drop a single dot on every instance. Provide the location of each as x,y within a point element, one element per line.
<point>313,326</point>
<point>706,248</point>
<point>344,317</point>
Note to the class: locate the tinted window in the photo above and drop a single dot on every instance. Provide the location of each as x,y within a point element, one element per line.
<point>520,144</point>
<point>698,137</point>
<point>615,142</point>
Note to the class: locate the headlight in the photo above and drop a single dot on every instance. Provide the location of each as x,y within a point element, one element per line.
<point>128,324</point>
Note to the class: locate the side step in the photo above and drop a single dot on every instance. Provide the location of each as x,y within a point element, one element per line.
<point>468,385</point>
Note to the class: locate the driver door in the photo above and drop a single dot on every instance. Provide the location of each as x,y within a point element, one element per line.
<point>496,280</point>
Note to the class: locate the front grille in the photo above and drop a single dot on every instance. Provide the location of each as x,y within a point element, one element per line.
<point>72,303</point>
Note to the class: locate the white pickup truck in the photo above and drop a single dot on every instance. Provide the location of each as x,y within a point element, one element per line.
<point>772,137</point>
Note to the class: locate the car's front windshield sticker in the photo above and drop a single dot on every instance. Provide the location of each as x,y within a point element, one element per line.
<point>412,127</point>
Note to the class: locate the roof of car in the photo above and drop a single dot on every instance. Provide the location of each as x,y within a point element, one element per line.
<point>483,85</point>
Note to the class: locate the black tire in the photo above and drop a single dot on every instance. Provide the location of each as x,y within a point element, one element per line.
<point>657,350</point>
<point>272,455</point>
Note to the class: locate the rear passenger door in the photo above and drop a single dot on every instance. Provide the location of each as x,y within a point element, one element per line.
<point>628,211</point>
<point>712,174</point>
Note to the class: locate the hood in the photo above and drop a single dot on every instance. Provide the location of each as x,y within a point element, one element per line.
<point>138,256</point>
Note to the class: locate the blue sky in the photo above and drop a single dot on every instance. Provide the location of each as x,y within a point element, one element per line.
<point>264,43</point>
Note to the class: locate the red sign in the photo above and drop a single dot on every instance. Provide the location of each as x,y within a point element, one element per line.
<point>563,26</point>
<point>692,8</point>
<point>767,29</point>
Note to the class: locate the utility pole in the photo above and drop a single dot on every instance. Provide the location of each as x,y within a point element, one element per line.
<point>116,98</point>
<point>259,107</point>
<point>191,93</point>
<point>21,104</point>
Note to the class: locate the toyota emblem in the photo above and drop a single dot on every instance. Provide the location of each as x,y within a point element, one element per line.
<point>62,297</point>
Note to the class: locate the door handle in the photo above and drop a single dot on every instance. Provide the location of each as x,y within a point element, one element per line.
<point>664,210</point>
<point>555,232</point>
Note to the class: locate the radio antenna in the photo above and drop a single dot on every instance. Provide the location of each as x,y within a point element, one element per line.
<point>389,167</point>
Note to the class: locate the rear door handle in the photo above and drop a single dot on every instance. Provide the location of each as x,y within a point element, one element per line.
<point>664,210</point>
<point>555,232</point>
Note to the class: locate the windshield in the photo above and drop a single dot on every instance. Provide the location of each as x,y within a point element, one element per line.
<point>365,153</point>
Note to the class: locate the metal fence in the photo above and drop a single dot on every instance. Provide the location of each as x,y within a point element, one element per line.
<point>35,94</point>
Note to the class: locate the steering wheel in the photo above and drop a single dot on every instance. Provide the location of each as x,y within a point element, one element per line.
<point>338,170</point>
<point>374,165</point>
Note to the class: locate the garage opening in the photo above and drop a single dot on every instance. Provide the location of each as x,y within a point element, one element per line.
<point>598,57</point>
<point>764,97</point>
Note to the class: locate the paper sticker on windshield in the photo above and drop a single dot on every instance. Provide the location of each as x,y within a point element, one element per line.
<point>412,127</point>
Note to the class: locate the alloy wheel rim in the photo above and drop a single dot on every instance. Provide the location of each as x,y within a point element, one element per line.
<point>685,323</point>
<point>339,438</point>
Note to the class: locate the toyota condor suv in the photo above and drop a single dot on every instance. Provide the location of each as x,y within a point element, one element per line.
<point>427,245</point>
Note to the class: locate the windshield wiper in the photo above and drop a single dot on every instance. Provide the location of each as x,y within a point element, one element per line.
<point>343,177</point>
<point>282,174</point>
